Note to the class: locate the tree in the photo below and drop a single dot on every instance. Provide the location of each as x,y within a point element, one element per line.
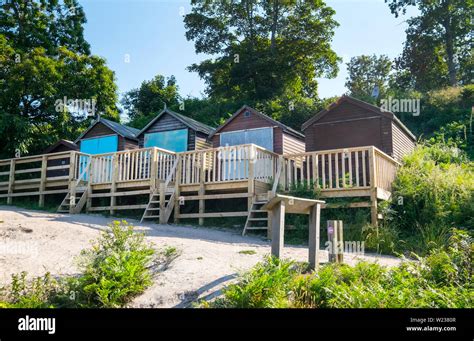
<point>143,103</point>
<point>262,47</point>
<point>367,73</point>
<point>437,51</point>
<point>44,60</point>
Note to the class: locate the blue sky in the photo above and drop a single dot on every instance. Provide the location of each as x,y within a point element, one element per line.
<point>150,33</point>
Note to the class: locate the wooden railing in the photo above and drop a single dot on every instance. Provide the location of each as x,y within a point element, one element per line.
<point>25,176</point>
<point>131,165</point>
<point>230,163</point>
<point>385,169</point>
<point>339,169</point>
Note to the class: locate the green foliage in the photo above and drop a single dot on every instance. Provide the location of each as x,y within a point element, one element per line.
<point>116,268</point>
<point>436,53</point>
<point>264,286</point>
<point>443,279</point>
<point>366,73</point>
<point>436,186</point>
<point>36,293</point>
<point>44,58</point>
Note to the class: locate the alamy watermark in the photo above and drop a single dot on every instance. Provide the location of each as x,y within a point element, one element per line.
<point>78,105</point>
<point>398,105</point>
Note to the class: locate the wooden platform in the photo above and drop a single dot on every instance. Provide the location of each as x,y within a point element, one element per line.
<point>157,181</point>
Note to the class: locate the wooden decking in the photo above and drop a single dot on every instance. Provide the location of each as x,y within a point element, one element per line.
<point>160,183</point>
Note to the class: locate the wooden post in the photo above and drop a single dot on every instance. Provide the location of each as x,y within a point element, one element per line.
<point>162,202</point>
<point>251,180</point>
<point>314,236</point>
<point>11,181</point>
<point>332,239</point>
<point>278,228</point>
<point>89,184</point>
<point>202,191</point>
<point>113,185</point>
<point>44,166</point>
<point>154,170</point>
<point>176,189</point>
<point>373,187</point>
<point>335,237</point>
<point>340,236</point>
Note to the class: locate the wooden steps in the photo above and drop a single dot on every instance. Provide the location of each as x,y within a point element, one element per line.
<point>67,207</point>
<point>153,209</point>
<point>257,218</point>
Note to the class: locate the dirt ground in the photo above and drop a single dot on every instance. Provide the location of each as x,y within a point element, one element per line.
<point>38,242</point>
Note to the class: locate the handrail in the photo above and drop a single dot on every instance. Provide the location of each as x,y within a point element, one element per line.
<point>171,173</point>
<point>277,176</point>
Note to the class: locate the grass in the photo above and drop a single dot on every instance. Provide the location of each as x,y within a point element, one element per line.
<point>247,252</point>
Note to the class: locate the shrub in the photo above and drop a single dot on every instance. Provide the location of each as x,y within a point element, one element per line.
<point>39,292</point>
<point>116,268</point>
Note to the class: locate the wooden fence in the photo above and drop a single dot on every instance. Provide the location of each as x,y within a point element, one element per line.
<point>339,169</point>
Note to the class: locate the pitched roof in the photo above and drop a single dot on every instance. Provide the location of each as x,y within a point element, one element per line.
<point>188,121</point>
<point>121,129</point>
<point>284,127</point>
<point>69,144</point>
<point>355,101</point>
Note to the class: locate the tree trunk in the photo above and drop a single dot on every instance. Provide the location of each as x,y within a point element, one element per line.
<point>449,41</point>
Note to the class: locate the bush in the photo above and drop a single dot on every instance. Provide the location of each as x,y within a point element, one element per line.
<point>443,279</point>
<point>39,292</point>
<point>116,268</point>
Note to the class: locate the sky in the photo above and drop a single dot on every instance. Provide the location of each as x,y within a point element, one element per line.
<point>142,38</point>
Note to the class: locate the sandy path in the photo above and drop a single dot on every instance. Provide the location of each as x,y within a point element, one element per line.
<point>37,242</point>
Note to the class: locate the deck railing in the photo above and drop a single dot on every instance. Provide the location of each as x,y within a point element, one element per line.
<point>339,169</point>
<point>131,165</point>
<point>229,163</point>
<point>329,170</point>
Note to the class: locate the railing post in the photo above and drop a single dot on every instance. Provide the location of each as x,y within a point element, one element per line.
<point>162,203</point>
<point>113,185</point>
<point>72,181</point>
<point>202,174</point>
<point>153,169</point>
<point>44,166</point>
<point>89,185</point>
<point>11,181</point>
<point>373,187</point>
<point>177,182</point>
<point>251,180</point>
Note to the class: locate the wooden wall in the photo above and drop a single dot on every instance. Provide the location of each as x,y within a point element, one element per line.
<point>166,123</point>
<point>349,125</point>
<point>402,144</point>
<point>292,145</point>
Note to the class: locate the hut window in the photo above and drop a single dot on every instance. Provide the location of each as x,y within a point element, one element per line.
<point>173,140</point>
<point>247,113</point>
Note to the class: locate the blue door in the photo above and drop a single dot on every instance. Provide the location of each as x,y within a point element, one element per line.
<point>97,145</point>
<point>100,145</point>
<point>173,140</point>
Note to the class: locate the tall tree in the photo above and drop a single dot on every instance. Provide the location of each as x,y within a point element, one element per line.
<point>143,103</point>
<point>44,59</point>
<point>441,34</point>
<point>367,73</point>
<point>262,47</point>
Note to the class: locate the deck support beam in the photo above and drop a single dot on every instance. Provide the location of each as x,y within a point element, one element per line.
<point>44,166</point>
<point>11,181</point>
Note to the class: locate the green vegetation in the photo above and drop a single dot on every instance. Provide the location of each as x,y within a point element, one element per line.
<point>443,279</point>
<point>247,252</point>
<point>119,266</point>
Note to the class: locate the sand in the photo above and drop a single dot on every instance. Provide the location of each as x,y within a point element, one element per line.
<point>209,258</point>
